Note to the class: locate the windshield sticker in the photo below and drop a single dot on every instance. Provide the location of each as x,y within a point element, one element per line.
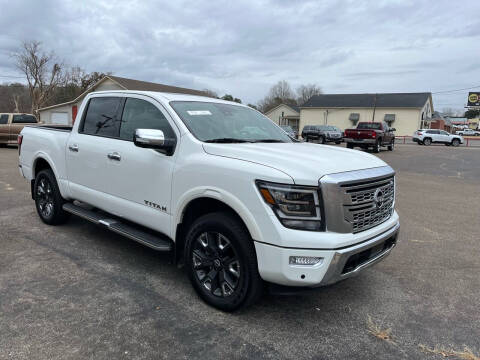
<point>199,112</point>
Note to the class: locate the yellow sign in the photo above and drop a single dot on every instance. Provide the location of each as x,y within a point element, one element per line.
<point>473,98</point>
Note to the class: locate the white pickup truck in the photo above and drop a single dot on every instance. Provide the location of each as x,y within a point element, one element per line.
<point>233,197</point>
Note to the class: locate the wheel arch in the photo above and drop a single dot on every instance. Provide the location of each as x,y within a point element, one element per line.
<point>206,201</point>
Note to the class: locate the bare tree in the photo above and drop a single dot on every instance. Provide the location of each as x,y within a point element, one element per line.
<point>210,93</point>
<point>279,93</point>
<point>43,73</point>
<point>305,92</point>
<point>452,112</point>
<point>281,90</point>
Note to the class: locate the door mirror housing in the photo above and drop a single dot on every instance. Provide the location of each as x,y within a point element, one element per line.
<point>393,129</point>
<point>154,139</point>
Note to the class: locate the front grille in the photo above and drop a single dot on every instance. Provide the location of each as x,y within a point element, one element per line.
<point>368,203</point>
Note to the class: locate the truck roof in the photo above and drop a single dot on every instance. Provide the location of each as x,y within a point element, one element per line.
<point>169,96</point>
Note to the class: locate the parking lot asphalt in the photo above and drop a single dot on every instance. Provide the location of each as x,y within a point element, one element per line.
<point>78,291</point>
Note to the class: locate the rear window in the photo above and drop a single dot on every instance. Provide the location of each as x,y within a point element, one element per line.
<point>365,125</point>
<point>3,119</point>
<point>24,119</point>
<point>102,117</point>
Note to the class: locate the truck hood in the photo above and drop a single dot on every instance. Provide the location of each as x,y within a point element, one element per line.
<point>305,163</point>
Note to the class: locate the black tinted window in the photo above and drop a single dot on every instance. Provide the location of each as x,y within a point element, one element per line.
<point>3,119</point>
<point>24,119</point>
<point>433,132</point>
<point>101,118</point>
<point>140,114</point>
<point>372,125</point>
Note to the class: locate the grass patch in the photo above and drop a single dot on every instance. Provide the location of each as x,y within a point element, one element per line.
<point>377,331</point>
<point>466,354</point>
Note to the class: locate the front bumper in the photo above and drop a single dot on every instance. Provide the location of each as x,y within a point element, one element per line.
<point>360,141</point>
<point>337,264</point>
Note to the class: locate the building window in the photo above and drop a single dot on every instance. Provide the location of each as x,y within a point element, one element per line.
<point>389,119</point>
<point>354,117</point>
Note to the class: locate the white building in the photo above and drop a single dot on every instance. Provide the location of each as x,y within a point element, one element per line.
<point>65,113</point>
<point>284,114</point>
<point>406,112</point>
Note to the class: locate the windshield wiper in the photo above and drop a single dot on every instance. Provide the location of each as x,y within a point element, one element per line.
<point>268,141</point>
<point>226,140</point>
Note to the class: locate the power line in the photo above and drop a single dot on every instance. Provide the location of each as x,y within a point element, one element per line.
<point>11,76</point>
<point>449,91</point>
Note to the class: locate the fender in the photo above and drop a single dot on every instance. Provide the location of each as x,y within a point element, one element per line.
<point>61,183</point>
<point>217,194</point>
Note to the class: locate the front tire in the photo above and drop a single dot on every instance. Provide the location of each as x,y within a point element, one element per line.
<point>221,262</point>
<point>48,199</point>
<point>455,142</point>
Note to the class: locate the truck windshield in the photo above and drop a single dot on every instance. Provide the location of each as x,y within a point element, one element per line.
<point>372,125</point>
<point>224,123</point>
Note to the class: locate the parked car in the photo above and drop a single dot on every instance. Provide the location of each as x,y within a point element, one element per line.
<point>11,124</point>
<point>288,129</point>
<point>371,135</point>
<point>430,136</point>
<point>322,133</point>
<point>219,186</point>
<point>468,132</point>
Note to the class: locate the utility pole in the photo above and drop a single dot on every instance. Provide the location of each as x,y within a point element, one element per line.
<point>374,106</point>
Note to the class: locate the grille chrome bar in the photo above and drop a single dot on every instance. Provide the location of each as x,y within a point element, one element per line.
<point>358,200</point>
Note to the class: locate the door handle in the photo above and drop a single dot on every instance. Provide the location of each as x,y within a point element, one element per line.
<point>114,156</point>
<point>73,147</point>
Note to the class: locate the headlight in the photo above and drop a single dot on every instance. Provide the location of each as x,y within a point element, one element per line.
<point>297,207</point>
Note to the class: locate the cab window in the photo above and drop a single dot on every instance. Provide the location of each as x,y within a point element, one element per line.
<point>3,119</point>
<point>102,117</point>
<point>23,119</point>
<point>140,114</point>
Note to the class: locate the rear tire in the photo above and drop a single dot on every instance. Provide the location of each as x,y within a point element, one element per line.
<point>427,141</point>
<point>376,147</point>
<point>349,146</point>
<point>48,199</point>
<point>391,146</point>
<point>221,262</point>
<point>337,142</point>
<point>322,140</point>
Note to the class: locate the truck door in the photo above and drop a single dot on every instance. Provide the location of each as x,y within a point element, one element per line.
<point>144,176</point>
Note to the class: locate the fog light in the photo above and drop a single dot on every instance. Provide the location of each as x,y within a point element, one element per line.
<point>305,260</point>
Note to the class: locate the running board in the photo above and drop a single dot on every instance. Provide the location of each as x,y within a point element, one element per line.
<point>156,242</point>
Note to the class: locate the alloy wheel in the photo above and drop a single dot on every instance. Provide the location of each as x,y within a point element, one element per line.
<point>216,264</point>
<point>45,198</point>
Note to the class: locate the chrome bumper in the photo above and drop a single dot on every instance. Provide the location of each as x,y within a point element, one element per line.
<point>359,142</point>
<point>336,268</point>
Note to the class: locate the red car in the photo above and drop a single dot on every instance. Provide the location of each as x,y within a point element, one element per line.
<point>370,135</point>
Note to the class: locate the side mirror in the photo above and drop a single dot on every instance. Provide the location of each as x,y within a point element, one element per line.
<point>393,129</point>
<point>153,139</point>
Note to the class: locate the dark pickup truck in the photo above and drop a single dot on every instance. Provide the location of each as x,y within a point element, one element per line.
<point>370,135</point>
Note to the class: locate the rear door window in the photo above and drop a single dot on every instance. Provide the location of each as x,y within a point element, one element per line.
<point>140,114</point>
<point>3,119</point>
<point>23,119</point>
<point>102,117</point>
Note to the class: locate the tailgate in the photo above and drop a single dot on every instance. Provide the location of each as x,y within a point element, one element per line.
<point>360,133</point>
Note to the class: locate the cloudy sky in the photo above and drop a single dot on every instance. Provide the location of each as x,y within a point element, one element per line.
<point>243,47</point>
